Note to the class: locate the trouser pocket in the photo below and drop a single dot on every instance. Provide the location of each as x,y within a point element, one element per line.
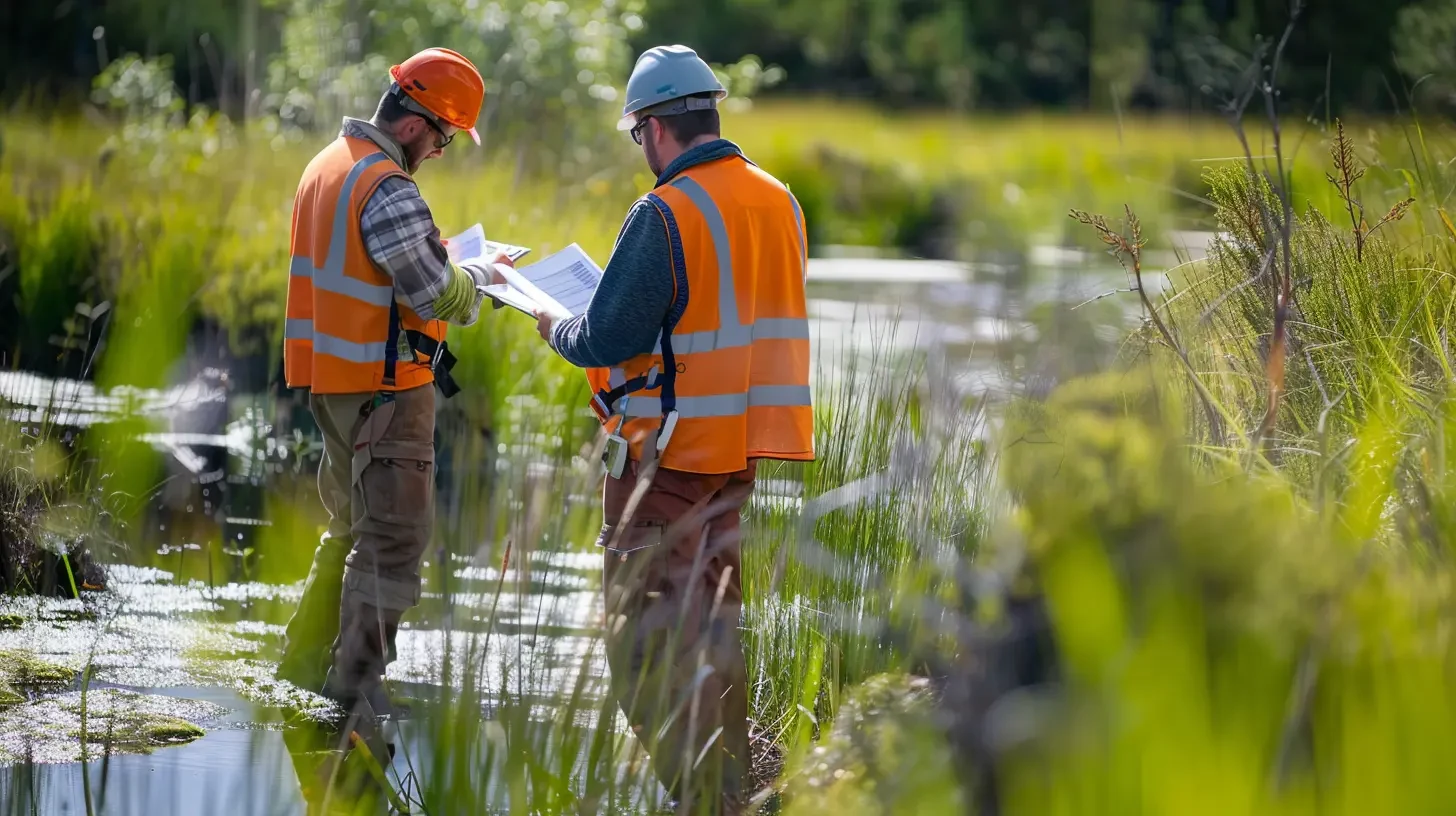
<point>398,489</point>
<point>394,486</point>
<point>394,461</point>
<point>390,538</point>
<point>631,536</point>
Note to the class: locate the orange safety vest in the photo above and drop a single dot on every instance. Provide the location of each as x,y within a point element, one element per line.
<point>733,355</point>
<point>343,321</point>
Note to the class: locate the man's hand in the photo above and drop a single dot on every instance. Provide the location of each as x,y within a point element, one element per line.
<point>544,324</point>
<point>496,278</point>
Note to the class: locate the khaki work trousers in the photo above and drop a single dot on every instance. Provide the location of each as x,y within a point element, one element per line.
<point>376,481</point>
<point>674,597</point>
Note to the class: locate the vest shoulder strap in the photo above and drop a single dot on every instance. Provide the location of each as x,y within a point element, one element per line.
<point>678,260</point>
<point>667,378</point>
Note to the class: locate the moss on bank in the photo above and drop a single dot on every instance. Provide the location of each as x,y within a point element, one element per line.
<point>22,669</point>
<point>138,731</point>
<point>884,754</point>
<point>53,728</point>
<point>25,669</point>
<point>63,728</point>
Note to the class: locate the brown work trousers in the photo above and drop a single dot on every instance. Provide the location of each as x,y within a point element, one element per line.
<point>376,481</point>
<point>674,597</point>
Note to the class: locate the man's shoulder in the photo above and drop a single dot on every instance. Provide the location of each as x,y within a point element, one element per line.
<point>325,159</point>
<point>349,158</point>
<point>395,190</point>
<point>398,184</point>
<point>395,207</point>
<point>643,221</point>
<point>646,204</point>
<point>731,183</point>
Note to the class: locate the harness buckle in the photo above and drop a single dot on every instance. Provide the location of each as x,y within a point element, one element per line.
<point>440,359</point>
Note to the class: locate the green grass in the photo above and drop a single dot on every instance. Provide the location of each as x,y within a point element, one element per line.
<point>1019,173</point>
<point>898,485</point>
<point>1251,619</point>
<point>198,224</point>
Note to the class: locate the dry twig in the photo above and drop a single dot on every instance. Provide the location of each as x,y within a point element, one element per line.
<point>1129,251</point>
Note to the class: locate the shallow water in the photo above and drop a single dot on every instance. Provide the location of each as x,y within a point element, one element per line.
<point>174,624</point>
<point>156,635</point>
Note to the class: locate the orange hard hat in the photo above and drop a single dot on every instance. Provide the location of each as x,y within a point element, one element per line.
<point>445,84</point>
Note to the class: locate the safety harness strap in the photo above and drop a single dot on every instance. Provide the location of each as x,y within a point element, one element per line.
<point>607,398</point>
<point>391,346</point>
<point>441,360</point>
<point>440,357</point>
<point>679,305</point>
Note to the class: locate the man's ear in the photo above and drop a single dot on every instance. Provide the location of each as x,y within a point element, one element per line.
<point>407,130</point>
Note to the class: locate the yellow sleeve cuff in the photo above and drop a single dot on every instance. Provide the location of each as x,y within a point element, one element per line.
<point>458,303</point>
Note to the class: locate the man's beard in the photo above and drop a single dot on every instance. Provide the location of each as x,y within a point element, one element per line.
<point>416,151</point>
<point>653,163</point>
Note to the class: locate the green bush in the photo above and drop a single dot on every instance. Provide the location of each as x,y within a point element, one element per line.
<point>552,69</point>
<point>852,202</point>
<point>58,254</point>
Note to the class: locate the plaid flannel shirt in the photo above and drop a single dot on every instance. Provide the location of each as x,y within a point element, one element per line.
<point>401,238</point>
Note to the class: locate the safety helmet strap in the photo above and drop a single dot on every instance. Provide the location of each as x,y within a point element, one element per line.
<point>680,105</point>
<point>408,103</point>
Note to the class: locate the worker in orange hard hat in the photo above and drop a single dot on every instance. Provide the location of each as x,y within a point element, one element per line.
<point>370,292</point>
<point>445,91</point>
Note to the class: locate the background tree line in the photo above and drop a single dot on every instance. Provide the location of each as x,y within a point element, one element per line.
<point>1076,54</point>
<point>291,57</point>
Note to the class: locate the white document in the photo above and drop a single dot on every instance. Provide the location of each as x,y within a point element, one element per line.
<point>561,284</point>
<point>510,296</point>
<point>471,245</point>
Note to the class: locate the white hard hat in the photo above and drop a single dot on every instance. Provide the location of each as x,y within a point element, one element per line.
<point>667,73</point>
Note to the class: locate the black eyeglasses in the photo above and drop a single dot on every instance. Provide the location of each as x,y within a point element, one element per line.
<point>636,130</point>
<point>436,125</point>
<point>419,110</point>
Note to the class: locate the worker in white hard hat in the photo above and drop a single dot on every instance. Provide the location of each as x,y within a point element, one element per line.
<point>696,345</point>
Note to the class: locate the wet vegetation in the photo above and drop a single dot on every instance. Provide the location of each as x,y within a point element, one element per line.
<point>19,670</point>
<point>100,723</point>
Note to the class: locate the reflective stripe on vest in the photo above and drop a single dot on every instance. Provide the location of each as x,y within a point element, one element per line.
<point>342,311</point>
<point>730,334</point>
<point>758,396</point>
<point>765,328</point>
<point>758,367</point>
<point>302,329</point>
<point>331,278</point>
